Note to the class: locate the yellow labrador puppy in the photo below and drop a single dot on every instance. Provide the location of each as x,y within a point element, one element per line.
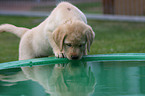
<point>65,32</point>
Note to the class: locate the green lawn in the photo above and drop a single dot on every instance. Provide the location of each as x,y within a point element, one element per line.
<point>90,7</point>
<point>111,37</point>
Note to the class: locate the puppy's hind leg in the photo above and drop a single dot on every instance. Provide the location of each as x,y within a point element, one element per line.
<point>25,49</point>
<point>24,55</point>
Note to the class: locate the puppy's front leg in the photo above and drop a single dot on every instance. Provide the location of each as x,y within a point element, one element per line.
<point>56,49</point>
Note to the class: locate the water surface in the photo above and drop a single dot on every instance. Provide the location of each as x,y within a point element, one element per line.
<point>117,78</point>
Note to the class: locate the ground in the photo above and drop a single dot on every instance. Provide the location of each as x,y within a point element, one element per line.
<point>111,37</point>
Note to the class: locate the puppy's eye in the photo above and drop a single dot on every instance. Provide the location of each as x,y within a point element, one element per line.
<point>80,45</point>
<point>69,45</point>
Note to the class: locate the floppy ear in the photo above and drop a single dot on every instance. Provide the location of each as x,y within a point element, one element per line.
<point>58,36</point>
<point>90,37</point>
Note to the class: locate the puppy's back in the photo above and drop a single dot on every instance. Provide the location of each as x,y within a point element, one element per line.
<point>71,11</point>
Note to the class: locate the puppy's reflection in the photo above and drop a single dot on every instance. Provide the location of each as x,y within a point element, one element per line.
<point>72,79</point>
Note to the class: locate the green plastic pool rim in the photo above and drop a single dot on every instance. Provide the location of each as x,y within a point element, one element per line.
<point>87,58</point>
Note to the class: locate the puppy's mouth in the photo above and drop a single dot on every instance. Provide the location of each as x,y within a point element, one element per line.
<point>74,57</point>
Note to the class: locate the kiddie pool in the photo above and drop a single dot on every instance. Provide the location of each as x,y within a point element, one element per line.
<point>94,75</point>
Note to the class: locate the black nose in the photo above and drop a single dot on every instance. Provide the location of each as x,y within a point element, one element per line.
<point>74,57</point>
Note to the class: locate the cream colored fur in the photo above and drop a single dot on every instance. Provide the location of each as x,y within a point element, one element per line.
<point>39,41</point>
<point>19,31</point>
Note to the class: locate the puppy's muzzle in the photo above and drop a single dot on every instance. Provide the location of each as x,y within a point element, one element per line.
<point>74,57</point>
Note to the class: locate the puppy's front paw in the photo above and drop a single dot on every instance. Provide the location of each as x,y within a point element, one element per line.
<point>59,55</point>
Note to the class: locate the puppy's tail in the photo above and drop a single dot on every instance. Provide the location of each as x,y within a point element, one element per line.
<point>18,31</point>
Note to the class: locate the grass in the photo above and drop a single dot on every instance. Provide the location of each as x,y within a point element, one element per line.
<point>90,7</point>
<point>118,37</point>
<point>111,37</point>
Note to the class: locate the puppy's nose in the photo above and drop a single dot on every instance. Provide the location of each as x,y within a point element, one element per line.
<point>74,57</point>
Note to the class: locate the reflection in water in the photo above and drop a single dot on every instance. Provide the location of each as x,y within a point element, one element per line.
<point>121,79</point>
<point>60,79</point>
<point>82,79</point>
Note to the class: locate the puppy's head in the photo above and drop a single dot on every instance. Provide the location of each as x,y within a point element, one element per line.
<point>74,39</point>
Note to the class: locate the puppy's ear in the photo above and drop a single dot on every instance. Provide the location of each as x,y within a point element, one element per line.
<point>90,37</point>
<point>58,36</point>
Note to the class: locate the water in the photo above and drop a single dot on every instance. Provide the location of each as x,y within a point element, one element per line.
<point>120,78</point>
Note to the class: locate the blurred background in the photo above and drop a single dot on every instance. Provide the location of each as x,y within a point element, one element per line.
<point>105,7</point>
<point>119,25</point>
